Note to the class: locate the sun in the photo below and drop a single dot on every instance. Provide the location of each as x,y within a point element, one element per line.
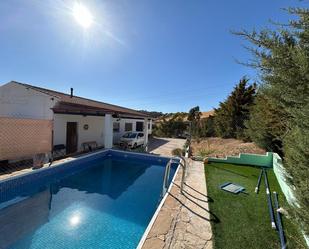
<point>82,15</point>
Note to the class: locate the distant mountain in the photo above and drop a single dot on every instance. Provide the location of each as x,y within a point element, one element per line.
<point>182,115</point>
<point>207,114</point>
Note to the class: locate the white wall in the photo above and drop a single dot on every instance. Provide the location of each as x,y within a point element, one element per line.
<point>94,132</point>
<point>122,121</point>
<point>150,126</point>
<point>19,102</point>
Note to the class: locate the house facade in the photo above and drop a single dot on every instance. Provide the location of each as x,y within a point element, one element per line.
<point>75,121</point>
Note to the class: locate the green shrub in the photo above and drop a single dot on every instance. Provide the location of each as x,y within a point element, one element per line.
<point>177,152</point>
<point>205,152</point>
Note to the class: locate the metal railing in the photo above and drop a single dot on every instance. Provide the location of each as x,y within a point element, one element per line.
<point>166,177</point>
<point>182,162</point>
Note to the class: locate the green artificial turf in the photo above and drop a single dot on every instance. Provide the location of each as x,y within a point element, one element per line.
<point>244,220</point>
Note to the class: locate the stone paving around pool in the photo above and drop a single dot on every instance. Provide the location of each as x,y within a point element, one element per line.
<point>28,170</point>
<point>158,146</point>
<point>184,220</point>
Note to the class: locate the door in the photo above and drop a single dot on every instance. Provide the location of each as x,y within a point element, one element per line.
<point>71,137</point>
<point>139,126</point>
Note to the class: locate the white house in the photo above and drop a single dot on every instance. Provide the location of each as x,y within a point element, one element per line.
<point>75,120</point>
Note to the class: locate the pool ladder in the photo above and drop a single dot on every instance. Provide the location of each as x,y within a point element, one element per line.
<point>182,162</point>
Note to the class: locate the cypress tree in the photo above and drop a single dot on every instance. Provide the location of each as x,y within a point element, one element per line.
<point>231,115</point>
<point>282,59</point>
<point>267,123</point>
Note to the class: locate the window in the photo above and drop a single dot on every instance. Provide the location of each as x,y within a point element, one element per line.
<point>128,127</point>
<point>130,135</point>
<point>140,134</point>
<point>139,126</point>
<point>116,127</point>
<point>148,126</point>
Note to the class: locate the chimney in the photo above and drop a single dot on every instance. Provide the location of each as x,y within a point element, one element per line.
<point>71,92</point>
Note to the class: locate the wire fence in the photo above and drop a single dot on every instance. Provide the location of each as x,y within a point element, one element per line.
<point>28,144</point>
<point>24,143</point>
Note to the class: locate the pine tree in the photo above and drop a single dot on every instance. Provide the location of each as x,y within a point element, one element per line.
<point>194,117</point>
<point>194,114</point>
<point>207,127</point>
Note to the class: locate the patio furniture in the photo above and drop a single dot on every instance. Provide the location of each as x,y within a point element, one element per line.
<point>39,160</point>
<point>89,146</point>
<point>59,150</point>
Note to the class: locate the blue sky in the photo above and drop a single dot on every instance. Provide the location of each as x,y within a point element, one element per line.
<point>163,55</point>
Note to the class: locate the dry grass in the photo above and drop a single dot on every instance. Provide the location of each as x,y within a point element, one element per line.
<point>184,116</point>
<point>219,147</point>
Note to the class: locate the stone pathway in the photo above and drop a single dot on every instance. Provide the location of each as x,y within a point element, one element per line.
<point>164,146</point>
<point>184,220</point>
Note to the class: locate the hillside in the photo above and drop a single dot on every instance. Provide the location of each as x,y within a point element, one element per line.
<point>220,147</point>
<point>182,115</point>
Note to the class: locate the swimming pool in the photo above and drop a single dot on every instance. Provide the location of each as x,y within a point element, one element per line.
<point>104,200</point>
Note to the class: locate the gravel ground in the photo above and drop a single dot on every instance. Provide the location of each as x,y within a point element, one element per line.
<point>220,147</point>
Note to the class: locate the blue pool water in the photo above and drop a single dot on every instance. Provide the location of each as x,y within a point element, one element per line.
<point>107,204</point>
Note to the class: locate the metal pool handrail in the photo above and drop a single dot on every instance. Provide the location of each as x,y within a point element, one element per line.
<point>166,177</point>
<point>183,164</point>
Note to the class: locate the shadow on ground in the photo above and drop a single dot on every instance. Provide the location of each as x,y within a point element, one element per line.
<point>189,197</point>
<point>209,199</point>
<point>155,143</point>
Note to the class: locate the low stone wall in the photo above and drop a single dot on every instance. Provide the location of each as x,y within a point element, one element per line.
<point>287,189</point>
<point>282,179</point>
<point>247,159</point>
